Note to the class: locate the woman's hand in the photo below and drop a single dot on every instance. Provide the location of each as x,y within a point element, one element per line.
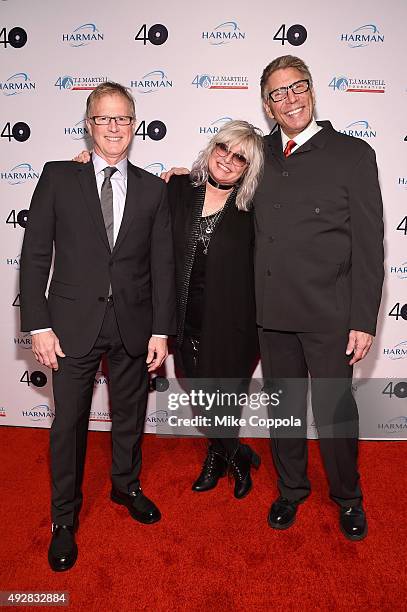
<point>83,157</point>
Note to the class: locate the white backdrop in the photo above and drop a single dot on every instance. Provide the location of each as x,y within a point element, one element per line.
<point>197,68</point>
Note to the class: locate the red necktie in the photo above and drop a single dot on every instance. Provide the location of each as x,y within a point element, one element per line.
<point>289,147</point>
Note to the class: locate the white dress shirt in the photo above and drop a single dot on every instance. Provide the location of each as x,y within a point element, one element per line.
<point>119,187</point>
<point>301,138</point>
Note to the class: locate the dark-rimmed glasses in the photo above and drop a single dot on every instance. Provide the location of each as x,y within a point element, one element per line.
<point>238,159</point>
<point>104,120</point>
<point>281,93</point>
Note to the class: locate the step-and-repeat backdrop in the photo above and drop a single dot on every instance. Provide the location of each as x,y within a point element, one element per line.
<point>191,67</point>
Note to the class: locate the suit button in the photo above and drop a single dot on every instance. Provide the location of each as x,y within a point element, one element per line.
<point>268,273</point>
<point>271,239</point>
<point>101,299</point>
<point>285,173</point>
<point>277,205</point>
<point>317,210</point>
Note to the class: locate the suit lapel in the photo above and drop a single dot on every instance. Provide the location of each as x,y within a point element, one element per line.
<point>274,152</point>
<point>275,144</point>
<point>87,179</point>
<point>134,193</point>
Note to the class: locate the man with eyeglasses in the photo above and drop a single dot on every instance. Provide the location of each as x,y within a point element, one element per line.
<point>111,294</point>
<point>319,275</point>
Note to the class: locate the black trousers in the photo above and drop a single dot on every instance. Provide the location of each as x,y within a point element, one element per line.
<point>190,365</point>
<point>290,355</point>
<point>73,388</point>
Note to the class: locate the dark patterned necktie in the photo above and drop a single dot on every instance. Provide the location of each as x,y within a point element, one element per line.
<point>289,147</point>
<point>106,200</point>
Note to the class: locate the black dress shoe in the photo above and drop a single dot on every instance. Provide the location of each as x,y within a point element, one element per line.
<point>140,507</point>
<point>240,463</point>
<point>63,551</point>
<point>353,523</point>
<point>214,467</point>
<point>282,513</point>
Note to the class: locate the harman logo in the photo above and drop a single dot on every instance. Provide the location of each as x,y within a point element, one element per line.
<point>363,36</point>
<point>215,126</point>
<point>79,83</point>
<point>400,271</point>
<point>100,415</point>
<point>159,417</point>
<point>101,378</point>
<point>77,131</point>
<point>155,168</point>
<point>224,33</point>
<point>403,181</point>
<point>23,340</point>
<point>398,351</point>
<point>395,425</point>
<point>14,262</point>
<point>17,83</point>
<point>218,81</point>
<point>359,129</point>
<point>41,412</point>
<point>151,82</point>
<point>2,411</point>
<point>19,174</point>
<point>357,85</point>
<point>83,35</point>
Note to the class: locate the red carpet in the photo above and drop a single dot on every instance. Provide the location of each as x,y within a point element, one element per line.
<point>210,551</point>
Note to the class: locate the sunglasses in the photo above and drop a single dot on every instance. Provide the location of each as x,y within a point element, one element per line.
<point>238,159</point>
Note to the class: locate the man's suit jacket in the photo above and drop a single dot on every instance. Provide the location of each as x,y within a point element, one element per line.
<point>66,214</point>
<point>319,235</point>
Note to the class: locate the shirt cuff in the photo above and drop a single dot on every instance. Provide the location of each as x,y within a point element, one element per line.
<point>159,336</point>
<point>39,331</point>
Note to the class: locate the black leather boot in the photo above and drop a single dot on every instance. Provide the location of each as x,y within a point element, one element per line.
<point>214,467</point>
<point>239,465</point>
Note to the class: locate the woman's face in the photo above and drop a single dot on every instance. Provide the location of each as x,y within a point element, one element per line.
<point>226,165</point>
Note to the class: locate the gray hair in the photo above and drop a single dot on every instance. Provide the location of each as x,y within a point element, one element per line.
<point>109,88</point>
<point>284,61</point>
<point>250,140</point>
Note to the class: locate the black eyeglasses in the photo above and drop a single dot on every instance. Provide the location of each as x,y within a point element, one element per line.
<point>238,159</point>
<point>103,120</point>
<point>281,93</point>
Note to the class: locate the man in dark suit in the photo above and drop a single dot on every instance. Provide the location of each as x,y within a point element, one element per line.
<point>111,293</point>
<point>319,275</point>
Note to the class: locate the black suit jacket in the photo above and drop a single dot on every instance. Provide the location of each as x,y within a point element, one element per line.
<point>319,235</point>
<point>65,213</point>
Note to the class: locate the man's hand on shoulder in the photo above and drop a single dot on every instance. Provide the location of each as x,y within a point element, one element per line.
<point>168,174</point>
<point>359,344</point>
<point>157,353</point>
<point>46,347</point>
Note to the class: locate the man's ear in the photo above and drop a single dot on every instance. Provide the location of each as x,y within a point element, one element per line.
<point>268,110</point>
<point>89,125</point>
<point>313,98</point>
